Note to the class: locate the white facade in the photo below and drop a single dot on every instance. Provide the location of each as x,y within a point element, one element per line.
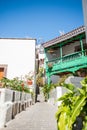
<point>18,55</point>
<point>40,56</point>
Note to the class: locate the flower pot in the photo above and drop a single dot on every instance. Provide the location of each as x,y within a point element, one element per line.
<point>29,82</point>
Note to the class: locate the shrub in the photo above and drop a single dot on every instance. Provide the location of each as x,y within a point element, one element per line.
<point>73,106</point>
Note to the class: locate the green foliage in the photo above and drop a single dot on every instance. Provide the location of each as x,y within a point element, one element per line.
<point>74,104</point>
<point>5,82</point>
<point>14,84</point>
<point>46,90</point>
<point>62,79</point>
<point>85,123</point>
<point>39,81</point>
<point>29,76</point>
<point>40,77</point>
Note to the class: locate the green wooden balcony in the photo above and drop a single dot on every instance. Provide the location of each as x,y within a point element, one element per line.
<point>68,63</point>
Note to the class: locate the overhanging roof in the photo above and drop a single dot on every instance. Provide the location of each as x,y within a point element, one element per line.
<point>64,37</point>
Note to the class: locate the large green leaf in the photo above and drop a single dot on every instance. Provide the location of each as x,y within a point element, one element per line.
<point>77,109</point>
<point>81,91</point>
<point>64,119</point>
<point>73,105</point>
<point>70,87</point>
<point>65,96</point>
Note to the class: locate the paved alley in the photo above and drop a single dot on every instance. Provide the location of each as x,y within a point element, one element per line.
<point>40,116</point>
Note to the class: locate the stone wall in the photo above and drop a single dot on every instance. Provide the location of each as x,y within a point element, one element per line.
<point>12,103</point>
<point>55,94</point>
<point>59,91</point>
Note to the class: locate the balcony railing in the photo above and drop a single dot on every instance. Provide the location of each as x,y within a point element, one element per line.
<point>68,57</point>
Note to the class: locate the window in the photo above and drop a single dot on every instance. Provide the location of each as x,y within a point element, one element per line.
<point>3,71</point>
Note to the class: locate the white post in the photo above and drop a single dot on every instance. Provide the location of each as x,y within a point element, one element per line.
<point>59,94</point>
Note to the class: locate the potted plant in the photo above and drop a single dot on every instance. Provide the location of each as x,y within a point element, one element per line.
<point>29,82</point>
<point>29,78</point>
<point>50,65</point>
<point>46,89</point>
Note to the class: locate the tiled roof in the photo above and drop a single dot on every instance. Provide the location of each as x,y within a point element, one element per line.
<point>64,37</point>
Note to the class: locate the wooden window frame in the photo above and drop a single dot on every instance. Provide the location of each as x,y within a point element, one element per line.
<point>4,66</point>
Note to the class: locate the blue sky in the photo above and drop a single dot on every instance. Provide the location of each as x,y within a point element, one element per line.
<point>40,19</point>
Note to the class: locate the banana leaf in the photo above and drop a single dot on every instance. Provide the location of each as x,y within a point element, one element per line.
<point>77,109</point>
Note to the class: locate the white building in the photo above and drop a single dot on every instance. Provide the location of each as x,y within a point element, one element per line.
<point>39,56</point>
<point>17,57</point>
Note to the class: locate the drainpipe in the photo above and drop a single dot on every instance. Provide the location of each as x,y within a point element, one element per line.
<point>49,81</point>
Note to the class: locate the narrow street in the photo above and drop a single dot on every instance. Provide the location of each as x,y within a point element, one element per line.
<point>40,116</point>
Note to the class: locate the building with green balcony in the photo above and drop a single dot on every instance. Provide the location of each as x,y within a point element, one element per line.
<point>66,54</point>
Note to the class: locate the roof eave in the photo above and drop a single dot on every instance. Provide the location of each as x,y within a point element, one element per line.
<point>64,37</point>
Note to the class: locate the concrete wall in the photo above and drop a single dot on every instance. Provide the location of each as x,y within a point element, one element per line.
<point>59,91</point>
<point>11,103</point>
<point>55,94</point>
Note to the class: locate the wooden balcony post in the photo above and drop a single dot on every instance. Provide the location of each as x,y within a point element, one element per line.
<point>49,81</point>
<point>81,44</point>
<point>61,53</point>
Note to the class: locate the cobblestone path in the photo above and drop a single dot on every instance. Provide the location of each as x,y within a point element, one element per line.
<point>40,116</point>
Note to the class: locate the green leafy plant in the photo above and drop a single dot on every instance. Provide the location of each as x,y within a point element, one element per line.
<point>14,84</point>
<point>47,89</point>
<point>40,77</point>
<point>29,76</point>
<point>74,104</point>
<point>5,82</point>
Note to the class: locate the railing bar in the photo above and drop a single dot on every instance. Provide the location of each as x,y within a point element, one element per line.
<point>68,57</point>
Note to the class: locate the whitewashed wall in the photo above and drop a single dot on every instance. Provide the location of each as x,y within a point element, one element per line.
<point>18,55</point>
